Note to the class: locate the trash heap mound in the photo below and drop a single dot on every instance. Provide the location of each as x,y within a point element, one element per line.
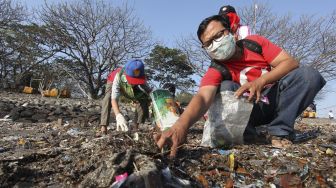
<point>63,151</point>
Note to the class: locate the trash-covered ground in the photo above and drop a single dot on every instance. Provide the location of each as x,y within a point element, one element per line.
<point>53,143</point>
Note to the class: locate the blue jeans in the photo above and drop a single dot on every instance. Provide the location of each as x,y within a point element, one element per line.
<point>288,98</point>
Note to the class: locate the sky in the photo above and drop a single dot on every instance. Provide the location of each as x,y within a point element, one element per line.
<point>171,19</point>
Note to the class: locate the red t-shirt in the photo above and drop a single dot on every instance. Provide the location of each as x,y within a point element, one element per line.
<point>250,67</point>
<point>111,76</point>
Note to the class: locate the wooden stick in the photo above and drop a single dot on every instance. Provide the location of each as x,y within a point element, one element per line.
<point>167,151</point>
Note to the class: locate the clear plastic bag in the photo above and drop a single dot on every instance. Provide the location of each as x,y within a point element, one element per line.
<point>227,120</point>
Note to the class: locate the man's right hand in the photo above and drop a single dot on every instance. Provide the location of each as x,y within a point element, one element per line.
<point>121,123</point>
<point>176,135</point>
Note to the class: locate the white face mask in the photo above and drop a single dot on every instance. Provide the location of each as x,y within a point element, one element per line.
<point>222,48</point>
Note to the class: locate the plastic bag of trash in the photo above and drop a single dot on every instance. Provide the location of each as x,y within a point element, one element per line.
<point>227,120</point>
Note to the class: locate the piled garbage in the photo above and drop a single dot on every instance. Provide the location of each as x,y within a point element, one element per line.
<point>64,151</point>
<point>34,108</point>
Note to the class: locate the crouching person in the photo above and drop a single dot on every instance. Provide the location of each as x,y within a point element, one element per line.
<point>130,82</point>
<point>257,66</point>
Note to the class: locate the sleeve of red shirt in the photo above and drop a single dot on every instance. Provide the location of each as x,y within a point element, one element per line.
<point>269,50</point>
<point>111,76</point>
<point>212,77</point>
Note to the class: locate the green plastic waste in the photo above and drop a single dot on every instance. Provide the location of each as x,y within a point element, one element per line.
<point>165,108</point>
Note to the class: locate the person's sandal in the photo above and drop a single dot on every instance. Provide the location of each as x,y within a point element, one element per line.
<point>279,142</point>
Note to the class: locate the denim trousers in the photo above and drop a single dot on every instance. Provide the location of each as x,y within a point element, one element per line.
<point>288,98</point>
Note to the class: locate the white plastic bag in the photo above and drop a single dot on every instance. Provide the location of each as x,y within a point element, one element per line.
<point>227,120</point>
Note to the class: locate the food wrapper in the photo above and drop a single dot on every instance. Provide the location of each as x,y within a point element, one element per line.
<point>263,98</point>
<point>165,108</point>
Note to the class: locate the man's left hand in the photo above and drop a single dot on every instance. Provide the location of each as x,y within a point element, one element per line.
<point>255,87</point>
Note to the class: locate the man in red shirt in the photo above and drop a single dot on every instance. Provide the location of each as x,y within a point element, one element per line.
<point>106,102</point>
<point>273,73</point>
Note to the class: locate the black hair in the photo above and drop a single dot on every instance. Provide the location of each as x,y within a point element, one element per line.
<point>170,87</point>
<point>224,20</point>
<point>226,9</point>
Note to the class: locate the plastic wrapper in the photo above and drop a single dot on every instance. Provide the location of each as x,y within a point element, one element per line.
<point>263,99</point>
<point>165,108</point>
<point>120,179</point>
<point>227,120</point>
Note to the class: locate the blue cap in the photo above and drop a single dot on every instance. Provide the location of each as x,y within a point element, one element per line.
<point>135,72</point>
